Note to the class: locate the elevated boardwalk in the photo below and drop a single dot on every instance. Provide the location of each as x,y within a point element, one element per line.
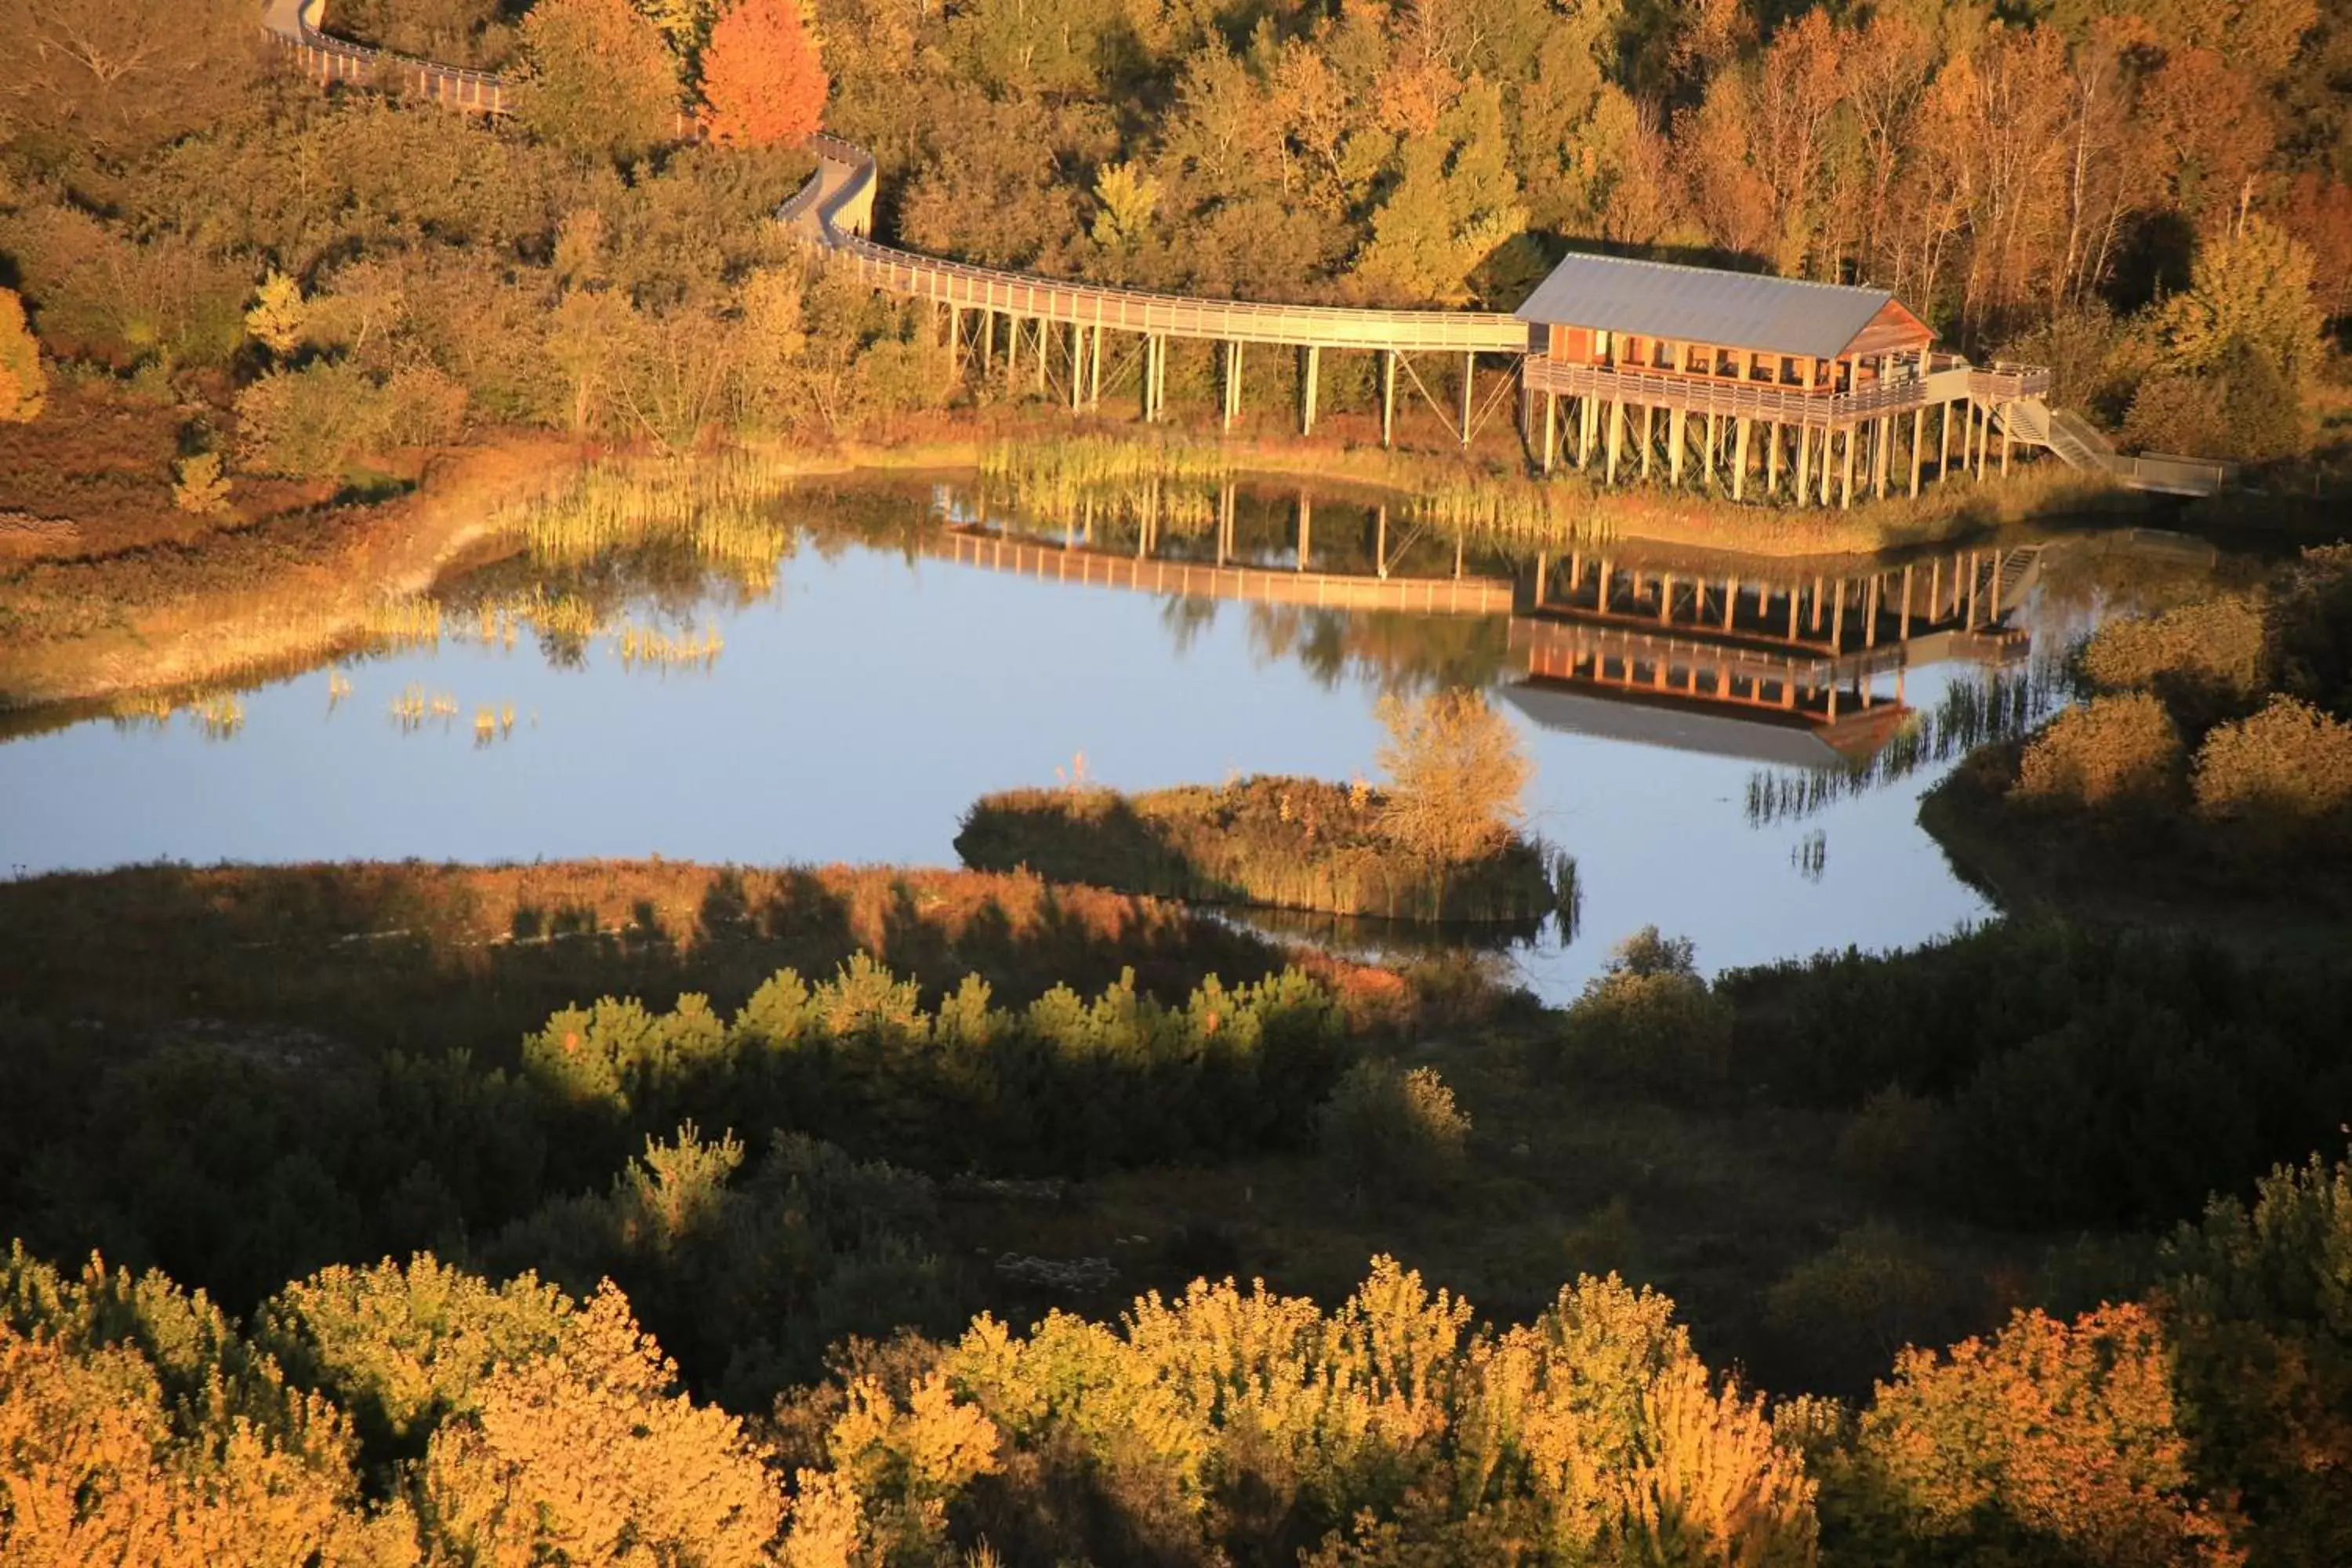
<point>1201,579</point>
<point>833,216</point>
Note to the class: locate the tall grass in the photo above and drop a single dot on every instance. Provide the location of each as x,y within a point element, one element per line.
<point>719,506</point>
<point>658,649</point>
<point>2002,706</point>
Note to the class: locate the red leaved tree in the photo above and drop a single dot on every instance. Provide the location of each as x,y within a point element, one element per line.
<point>762,82</point>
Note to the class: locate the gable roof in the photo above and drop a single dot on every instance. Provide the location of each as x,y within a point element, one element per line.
<point>1704,305</point>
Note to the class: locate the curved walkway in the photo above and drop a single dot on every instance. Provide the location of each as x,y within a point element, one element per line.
<point>834,211</point>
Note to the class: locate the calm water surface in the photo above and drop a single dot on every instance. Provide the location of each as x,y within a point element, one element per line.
<point>869,689</point>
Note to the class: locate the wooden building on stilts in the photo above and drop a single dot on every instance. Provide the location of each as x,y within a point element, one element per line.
<point>1772,386</point>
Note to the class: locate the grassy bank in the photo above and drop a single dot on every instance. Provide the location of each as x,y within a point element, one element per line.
<point>1276,843</point>
<point>1489,498</point>
<point>351,948</point>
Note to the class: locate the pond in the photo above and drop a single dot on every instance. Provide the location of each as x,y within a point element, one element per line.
<point>899,650</point>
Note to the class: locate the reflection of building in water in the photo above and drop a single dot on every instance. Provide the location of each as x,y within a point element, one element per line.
<point>1800,670</point>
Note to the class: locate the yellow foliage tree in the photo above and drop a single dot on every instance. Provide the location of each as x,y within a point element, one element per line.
<point>591,1456</point>
<point>1456,774</point>
<point>24,389</point>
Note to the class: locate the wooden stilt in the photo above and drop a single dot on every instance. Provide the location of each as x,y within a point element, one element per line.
<point>1738,458</point>
<point>1918,430</point>
<point>1845,491</point>
<point>1906,594</point>
<point>1388,403</point>
<point>1469,386</point>
<point>1678,424</point>
<point>1551,417</point>
<point>1616,435</point>
<point>1649,438</point>
<point>1307,405</point>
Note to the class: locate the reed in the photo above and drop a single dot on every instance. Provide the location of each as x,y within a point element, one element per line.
<point>656,648</point>
<point>1972,713</point>
<point>339,687</point>
<point>407,621</point>
<point>717,506</point>
<point>219,716</point>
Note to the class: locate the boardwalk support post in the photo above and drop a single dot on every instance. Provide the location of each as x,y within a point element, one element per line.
<point>1388,397</point>
<point>1469,381</point>
<point>1306,391</point>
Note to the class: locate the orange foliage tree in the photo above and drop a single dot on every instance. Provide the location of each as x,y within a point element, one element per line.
<point>762,81</point>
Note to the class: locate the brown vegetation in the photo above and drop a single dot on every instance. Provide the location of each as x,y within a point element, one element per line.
<point>1278,843</point>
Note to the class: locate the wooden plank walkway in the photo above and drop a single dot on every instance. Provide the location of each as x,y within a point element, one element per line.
<point>1243,585</point>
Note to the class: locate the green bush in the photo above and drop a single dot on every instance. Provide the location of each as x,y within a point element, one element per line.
<point>2108,751</point>
<point>1392,1131</point>
<point>1650,1023</point>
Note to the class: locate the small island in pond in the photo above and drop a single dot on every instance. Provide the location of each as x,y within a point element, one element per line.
<point>1275,842</point>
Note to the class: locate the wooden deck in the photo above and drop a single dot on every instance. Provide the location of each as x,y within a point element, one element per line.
<point>1201,579</point>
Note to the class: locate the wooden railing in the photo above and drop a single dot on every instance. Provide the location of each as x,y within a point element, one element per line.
<point>326,60</point>
<point>1815,408</point>
<point>831,209</point>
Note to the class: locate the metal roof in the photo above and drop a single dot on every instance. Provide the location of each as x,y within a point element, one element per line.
<point>1703,305</point>
<point>1662,721</point>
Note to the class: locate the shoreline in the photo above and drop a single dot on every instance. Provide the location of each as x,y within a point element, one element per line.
<point>325,567</point>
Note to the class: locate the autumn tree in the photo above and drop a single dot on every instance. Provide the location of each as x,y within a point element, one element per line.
<point>119,80</point>
<point>596,78</point>
<point>2252,285</point>
<point>762,79</point>
<point>591,1453</point>
<point>2052,1440</point>
<point>23,387</point>
<point>1456,774</point>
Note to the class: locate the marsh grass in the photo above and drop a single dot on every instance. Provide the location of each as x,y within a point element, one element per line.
<point>1269,842</point>
<point>1972,713</point>
<point>658,649</point>
<point>719,506</point>
<point>408,621</point>
<point>218,717</point>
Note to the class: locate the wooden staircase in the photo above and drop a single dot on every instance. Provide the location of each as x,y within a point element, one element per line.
<point>2076,443</point>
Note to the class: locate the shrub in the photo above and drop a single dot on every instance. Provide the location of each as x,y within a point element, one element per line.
<point>200,487</point>
<point>2108,749</point>
<point>2286,768</point>
<point>23,387</point>
<point>1392,1131</point>
<point>1651,1022</point>
<point>2053,1442</point>
<point>1852,1307</point>
<point>309,423</point>
<point>2206,652</point>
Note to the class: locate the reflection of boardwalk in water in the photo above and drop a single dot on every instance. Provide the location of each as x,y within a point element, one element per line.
<point>1464,595</point>
<point>1789,669</point>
